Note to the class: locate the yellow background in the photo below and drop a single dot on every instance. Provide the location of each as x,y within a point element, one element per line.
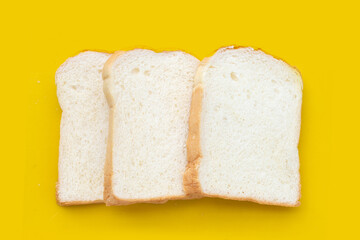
<point>320,38</point>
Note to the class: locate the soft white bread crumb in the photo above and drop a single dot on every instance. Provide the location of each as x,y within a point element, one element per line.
<point>83,129</point>
<point>152,94</point>
<point>250,123</point>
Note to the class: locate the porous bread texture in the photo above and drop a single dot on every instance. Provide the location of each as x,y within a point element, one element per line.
<point>150,96</point>
<point>247,129</point>
<point>83,129</point>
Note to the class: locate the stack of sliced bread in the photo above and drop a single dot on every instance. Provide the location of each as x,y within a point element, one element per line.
<point>139,126</point>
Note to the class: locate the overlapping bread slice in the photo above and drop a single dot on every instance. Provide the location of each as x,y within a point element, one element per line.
<point>83,129</point>
<point>244,129</point>
<point>149,96</point>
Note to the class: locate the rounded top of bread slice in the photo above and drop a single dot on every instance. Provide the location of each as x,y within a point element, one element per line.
<point>78,75</point>
<point>245,57</point>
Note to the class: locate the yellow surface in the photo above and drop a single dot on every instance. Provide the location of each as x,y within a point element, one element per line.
<point>320,38</point>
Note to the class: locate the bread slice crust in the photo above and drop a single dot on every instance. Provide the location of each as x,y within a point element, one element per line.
<point>110,198</point>
<point>191,180</point>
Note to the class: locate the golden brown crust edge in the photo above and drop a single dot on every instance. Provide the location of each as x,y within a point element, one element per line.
<point>110,198</point>
<point>253,200</point>
<point>191,181</point>
<point>191,176</point>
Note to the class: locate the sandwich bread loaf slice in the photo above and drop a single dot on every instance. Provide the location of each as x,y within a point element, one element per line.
<point>149,96</point>
<point>83,129</point>
<point>244,129</point>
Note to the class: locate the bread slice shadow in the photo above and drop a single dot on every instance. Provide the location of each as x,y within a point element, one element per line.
<point>208,204</point>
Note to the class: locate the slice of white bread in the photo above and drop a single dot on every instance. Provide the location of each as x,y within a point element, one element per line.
<point>244,129</point>
<point>149,95</point>
<point>83,129</point>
